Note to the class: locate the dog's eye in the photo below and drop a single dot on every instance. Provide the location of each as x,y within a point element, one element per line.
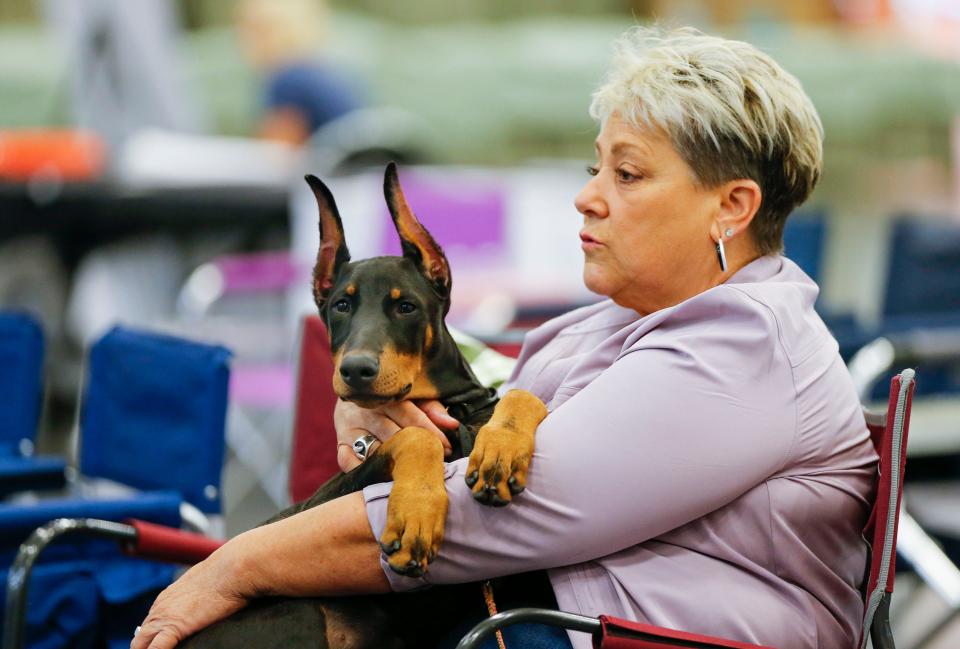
<point>341,306</point>
<point>406,307</point>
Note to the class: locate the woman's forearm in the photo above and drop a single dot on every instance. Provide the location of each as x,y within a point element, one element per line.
<point>326,550</point>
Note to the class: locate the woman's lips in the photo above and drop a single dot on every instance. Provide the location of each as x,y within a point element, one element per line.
<point>588,243</point>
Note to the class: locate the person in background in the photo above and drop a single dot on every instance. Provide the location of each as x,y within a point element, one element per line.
<point>302,90</point>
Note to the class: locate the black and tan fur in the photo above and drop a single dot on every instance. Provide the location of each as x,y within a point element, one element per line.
<point>385,317</point>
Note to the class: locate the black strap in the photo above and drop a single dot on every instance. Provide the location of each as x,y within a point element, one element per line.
<point>462,408</point>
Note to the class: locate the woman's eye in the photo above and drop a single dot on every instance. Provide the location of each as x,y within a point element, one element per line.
<point>406,307</point>
<point>341,306</point>
<point>592,170</point>
<point>625,176</point>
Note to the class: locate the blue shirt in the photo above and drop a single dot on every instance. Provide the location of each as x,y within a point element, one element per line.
<point>317,91</point>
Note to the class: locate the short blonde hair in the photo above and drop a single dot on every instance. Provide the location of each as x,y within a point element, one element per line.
<point>277,31</point>
<point>730,111</point>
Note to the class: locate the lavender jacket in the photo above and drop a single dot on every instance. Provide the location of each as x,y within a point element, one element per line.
<point>705,468</point>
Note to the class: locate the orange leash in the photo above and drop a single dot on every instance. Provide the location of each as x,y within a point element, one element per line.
<point>492,609</point>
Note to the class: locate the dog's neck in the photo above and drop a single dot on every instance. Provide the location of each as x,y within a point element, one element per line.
<point>465,398</point>
<point>455,381</point>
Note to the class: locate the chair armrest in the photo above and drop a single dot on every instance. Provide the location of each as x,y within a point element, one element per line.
<point>18,474</point>
<point>623,634</point>
<point>163,543</point>
<point>608,632</point>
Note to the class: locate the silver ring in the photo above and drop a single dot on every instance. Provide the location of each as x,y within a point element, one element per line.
<point>361,446</point>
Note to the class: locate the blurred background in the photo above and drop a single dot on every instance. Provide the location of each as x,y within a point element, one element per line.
<point>152,155</point>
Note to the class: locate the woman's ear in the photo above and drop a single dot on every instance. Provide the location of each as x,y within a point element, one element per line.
<point>739,202</point>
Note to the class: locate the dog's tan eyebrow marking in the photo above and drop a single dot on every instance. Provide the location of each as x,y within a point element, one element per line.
<point>351,289</point>
<point>395,294</point>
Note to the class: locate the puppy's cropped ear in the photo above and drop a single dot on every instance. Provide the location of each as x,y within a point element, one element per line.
<point>416,242</point>
<point>333,253</point>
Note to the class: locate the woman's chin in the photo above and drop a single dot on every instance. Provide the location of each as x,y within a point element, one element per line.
<point>596,282</point>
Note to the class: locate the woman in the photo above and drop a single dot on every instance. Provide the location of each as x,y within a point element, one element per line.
<point>705,465</point>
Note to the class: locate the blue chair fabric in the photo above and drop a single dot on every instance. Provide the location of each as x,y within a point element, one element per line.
<point>154,413</point>
<point>21,384</point>
<point>18,474</point>
<point>922,290</point>
<point>21,381</point>
<point>922,276</point>
<point>803,240</point>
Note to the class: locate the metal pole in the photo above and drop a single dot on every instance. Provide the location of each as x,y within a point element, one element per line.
<point>488,627</point>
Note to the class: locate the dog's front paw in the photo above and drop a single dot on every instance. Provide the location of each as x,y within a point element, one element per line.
<point>497,469</point>
<point>414,531</point>
<point>417,507</point>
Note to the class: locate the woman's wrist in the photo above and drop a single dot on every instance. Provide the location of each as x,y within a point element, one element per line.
<point>240,566</point>
<point>326,550</point>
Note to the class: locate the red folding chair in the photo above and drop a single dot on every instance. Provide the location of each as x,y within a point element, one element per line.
<point>314,457</point>
<point>888,432</point>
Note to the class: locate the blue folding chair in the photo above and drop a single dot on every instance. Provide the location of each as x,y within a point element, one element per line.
<point>922,290</point>
<point>21,384</point>
<point>803,240</point>
<point>152,418</point>
<point>153,415</point>
<point>923,282</point>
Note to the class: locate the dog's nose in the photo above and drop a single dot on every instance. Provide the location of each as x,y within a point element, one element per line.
<point>359,370</point>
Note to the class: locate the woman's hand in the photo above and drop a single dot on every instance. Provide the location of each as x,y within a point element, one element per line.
<point>327,550</point>
<point>352,422</point>
<point>206,593</point>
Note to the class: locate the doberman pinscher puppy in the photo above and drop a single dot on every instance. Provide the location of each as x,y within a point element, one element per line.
<point>385,317</point>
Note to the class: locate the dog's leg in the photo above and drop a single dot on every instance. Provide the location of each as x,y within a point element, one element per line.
<point>417,508</point>
<point>498,464</point>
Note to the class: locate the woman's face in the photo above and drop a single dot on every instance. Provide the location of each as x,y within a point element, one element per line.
<point>646,233</point>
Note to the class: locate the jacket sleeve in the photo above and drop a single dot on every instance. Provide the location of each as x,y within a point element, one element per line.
<point>677,427</point>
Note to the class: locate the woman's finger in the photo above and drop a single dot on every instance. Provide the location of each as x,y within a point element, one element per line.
<point>347,460</point>
<point>152,635</point>
<point>406,413</point>
<point>165,638</point>
<point>437,413</point>
<point>351,421</point>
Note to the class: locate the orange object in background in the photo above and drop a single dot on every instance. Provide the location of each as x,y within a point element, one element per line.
<point>62,154</point>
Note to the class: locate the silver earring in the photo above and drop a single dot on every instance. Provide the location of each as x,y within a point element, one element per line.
<point>721,255</point>
<point>728,232</point>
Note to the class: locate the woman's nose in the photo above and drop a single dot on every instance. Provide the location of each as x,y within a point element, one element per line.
<point>589,201</point>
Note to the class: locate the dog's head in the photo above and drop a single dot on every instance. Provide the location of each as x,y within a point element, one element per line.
<point>384,314</point>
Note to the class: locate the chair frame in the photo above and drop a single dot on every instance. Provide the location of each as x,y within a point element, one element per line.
<point>873,361</point>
